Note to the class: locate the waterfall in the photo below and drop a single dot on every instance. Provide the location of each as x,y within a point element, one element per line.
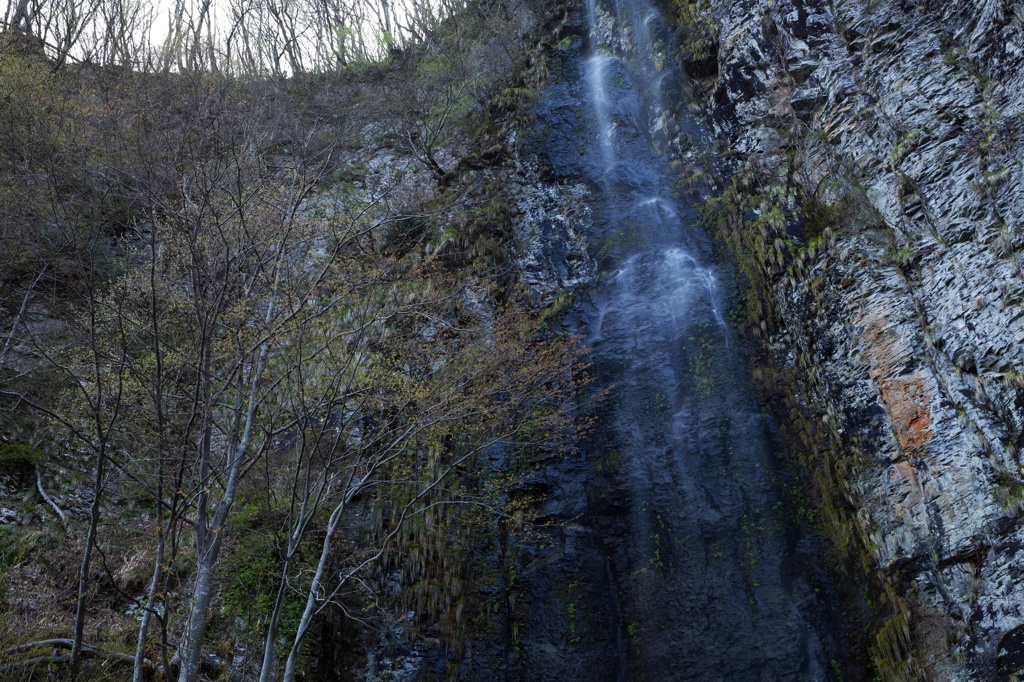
<point>708,576</point>
<point>597,93</point>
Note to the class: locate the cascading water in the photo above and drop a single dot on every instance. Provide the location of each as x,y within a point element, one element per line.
<point>685,493</point>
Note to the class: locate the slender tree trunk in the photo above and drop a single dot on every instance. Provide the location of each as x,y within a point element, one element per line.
<point>308,495</point>
<point>171,49</point>
<point>83,573</point>
<point>22,18</point>
<point>172,542</point>
<point>209,534</point>
<point>148,608</point>
<point>161,452</point>
<point>197,37</point>
<point>97,495</point>
<point>188,651</point>
<point>314,589</point>
<point>269,669</point>
<point>196,626</point>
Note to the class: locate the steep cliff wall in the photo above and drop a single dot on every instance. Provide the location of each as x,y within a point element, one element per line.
<point>876,206</point>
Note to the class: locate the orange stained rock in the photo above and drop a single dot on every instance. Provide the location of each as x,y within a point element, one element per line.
<point>906,396</point>
<point>907,401</point>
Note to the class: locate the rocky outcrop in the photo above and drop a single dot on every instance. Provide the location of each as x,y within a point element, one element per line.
<point>895,295</point>
<point>551,225</point>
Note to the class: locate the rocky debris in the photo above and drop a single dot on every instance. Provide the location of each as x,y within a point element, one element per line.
<point>913,341</point>
<point>407,664</point>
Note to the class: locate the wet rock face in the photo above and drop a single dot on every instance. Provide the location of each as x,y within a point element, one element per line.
<point>551,229</point>
<point>909,326</point>
<point>704,579</point>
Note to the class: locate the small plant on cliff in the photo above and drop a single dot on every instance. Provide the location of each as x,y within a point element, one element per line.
<point>900,256</point>
<point>1009,493</point>
<point>698,29</point>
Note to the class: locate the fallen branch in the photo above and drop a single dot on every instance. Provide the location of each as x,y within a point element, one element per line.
<point>55,643</point>
<point>49,500</point>
<point>65,658</point>
<point>88,651</point>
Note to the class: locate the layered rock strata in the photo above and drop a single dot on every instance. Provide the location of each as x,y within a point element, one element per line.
<point>879,209</point>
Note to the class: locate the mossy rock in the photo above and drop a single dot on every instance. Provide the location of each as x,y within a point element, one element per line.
<point>19,455</point>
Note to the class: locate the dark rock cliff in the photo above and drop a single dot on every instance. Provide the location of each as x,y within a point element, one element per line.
<point>865,179</point>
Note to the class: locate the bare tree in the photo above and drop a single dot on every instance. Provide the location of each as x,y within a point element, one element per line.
<point>222,325</point>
